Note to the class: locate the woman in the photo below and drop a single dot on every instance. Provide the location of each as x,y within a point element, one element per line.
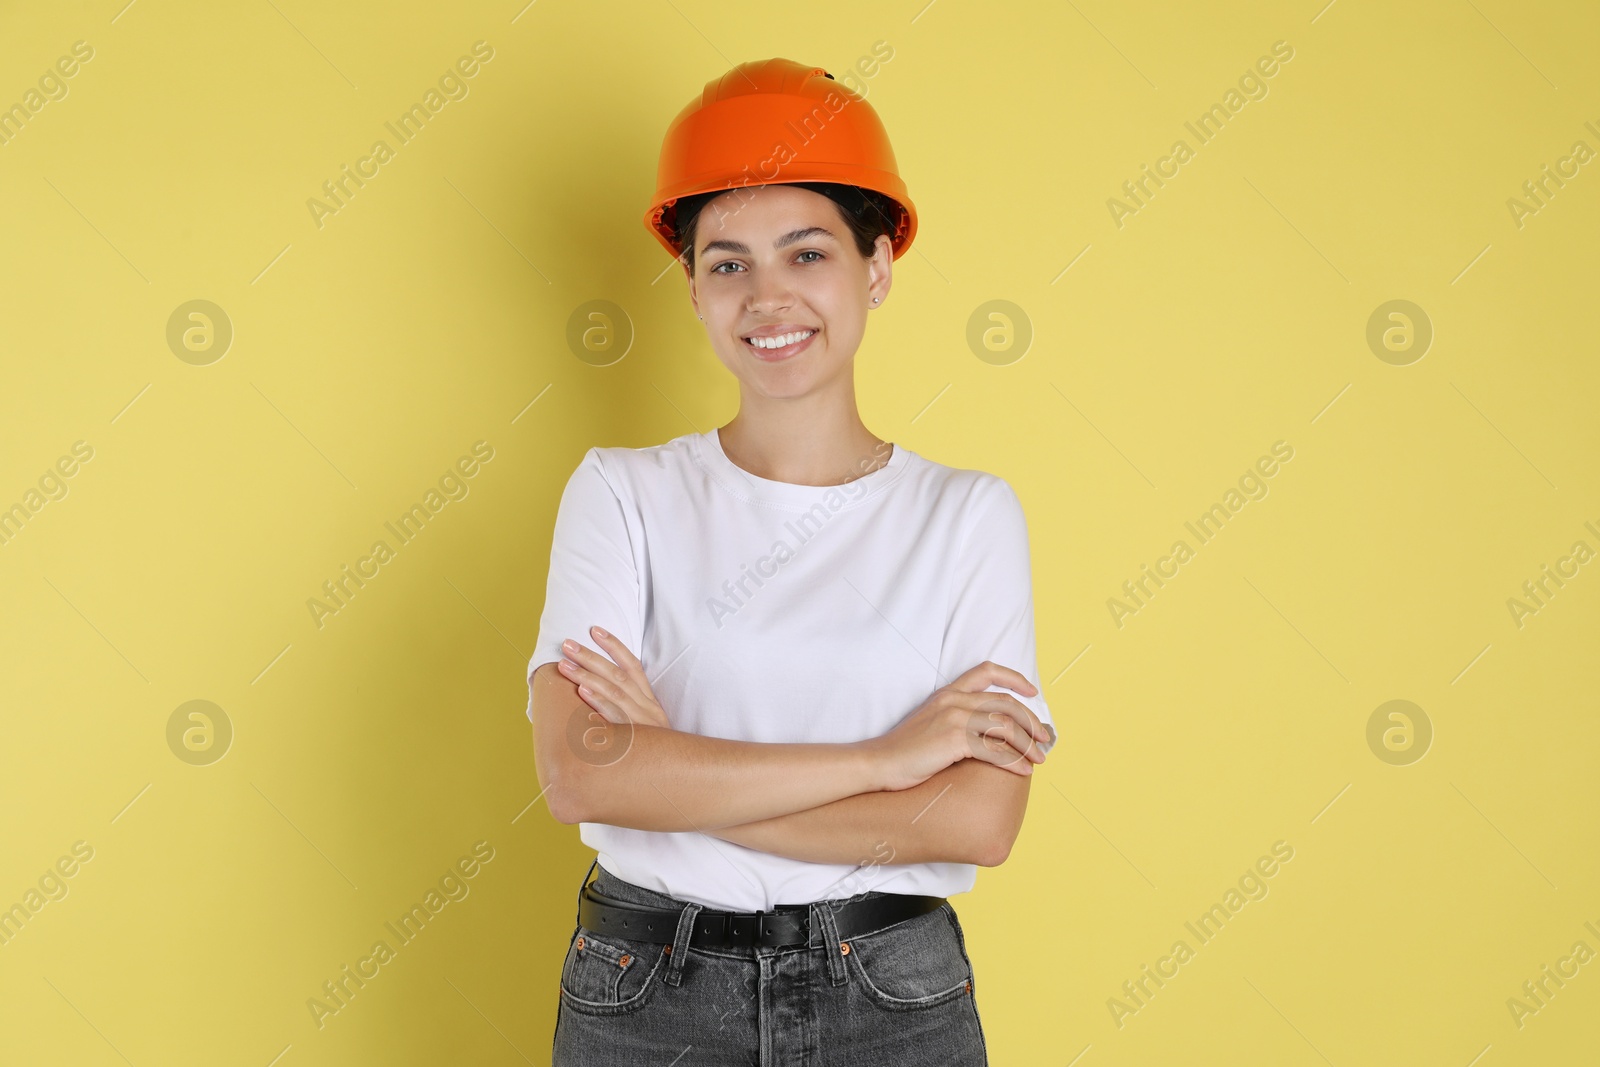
<point>792,734</point>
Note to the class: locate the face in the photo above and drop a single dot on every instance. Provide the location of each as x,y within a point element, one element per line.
<point>780,259</point>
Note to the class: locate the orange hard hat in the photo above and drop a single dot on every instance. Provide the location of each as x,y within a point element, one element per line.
<point>774,122</point>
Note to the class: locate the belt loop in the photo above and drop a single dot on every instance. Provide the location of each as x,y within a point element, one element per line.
<point>577,920</point>
<point>822,918</point>
<point>680,942</point>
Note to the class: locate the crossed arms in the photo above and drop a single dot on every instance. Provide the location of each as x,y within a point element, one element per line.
<point>820,803</point>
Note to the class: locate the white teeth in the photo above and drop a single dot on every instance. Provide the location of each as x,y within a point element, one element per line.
<point>780,341</point>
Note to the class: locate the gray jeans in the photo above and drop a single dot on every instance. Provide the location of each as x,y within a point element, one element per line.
<point>899,995</point>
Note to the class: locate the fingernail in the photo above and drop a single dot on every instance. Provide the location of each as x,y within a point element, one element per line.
<point>568,646</point>
<point>599,632</point>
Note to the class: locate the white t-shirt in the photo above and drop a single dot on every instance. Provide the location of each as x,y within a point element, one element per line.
<point>770,611</point>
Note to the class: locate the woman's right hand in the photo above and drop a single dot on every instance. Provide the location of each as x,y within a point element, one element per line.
<point>959,721</point>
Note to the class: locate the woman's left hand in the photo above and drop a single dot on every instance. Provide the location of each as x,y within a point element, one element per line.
<point>618,690</point>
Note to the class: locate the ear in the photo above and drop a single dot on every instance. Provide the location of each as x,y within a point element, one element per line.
<point>880,269</point>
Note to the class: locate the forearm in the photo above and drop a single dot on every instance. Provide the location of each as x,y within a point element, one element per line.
<point>673,781</point>
<point>655,778</point>
<point>960,815</point>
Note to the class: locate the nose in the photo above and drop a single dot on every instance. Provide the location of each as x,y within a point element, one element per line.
<point>770,293</point>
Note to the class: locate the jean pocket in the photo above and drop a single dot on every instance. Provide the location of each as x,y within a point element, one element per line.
<point>610,975</point>
<point>914,964</point>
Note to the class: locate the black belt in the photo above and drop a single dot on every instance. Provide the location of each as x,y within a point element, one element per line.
<point>787,924</point>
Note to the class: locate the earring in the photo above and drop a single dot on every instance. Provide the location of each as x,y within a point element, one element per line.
<point>874,300</point>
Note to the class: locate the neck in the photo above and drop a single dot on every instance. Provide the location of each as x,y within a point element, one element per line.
<point>786,444</point>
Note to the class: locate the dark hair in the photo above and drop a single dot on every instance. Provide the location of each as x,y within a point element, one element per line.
<point>867,212</point>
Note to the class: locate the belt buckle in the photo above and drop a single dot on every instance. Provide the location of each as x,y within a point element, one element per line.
<point>802,912</point>
<point>745,929</point>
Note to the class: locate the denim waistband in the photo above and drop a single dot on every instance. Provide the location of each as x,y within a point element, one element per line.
<point>821,927</point>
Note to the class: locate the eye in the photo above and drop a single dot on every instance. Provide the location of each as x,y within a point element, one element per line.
<point>725,263</point>
<point>812,252</point>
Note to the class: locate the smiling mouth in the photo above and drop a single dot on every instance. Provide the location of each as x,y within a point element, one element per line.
<point>772,349</point>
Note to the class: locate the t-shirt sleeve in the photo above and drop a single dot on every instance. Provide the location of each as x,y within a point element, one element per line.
<point>594,578</point>
<point>991,606</point>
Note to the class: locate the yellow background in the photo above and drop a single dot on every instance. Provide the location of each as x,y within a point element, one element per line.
<point>431,312</point>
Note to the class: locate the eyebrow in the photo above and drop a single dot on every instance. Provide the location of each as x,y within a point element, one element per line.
<point>740,248</point>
